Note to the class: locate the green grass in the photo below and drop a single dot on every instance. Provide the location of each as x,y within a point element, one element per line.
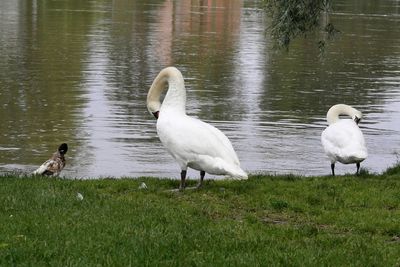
<point>265,221</point>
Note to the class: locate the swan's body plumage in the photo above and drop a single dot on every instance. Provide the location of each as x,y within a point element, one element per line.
<point>198,145</point>
<point>191,142</point>
<point>343,140</point>
<point>54,165</point>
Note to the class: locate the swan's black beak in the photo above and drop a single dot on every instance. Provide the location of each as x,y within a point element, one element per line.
<point>155,114</point>
<point>357,119</point>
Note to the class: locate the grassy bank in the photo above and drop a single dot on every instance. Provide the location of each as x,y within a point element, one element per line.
<point>267,220</point>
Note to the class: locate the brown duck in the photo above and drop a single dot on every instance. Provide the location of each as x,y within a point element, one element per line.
<point>54,165</point>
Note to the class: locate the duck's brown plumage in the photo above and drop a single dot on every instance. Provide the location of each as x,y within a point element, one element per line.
<point>55,164</point>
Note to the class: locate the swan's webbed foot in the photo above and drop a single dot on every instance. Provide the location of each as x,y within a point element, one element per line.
<point>333,169</point>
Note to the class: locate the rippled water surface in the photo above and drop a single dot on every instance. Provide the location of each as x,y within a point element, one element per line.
<point>78,72</point>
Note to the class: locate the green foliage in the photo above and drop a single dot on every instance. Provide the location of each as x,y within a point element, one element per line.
<point>266,220</point>
<point>394,170</point>
<point>294,18</point>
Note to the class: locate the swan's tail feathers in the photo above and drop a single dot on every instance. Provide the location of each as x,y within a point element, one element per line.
<point>363,155</point>
<point>218,166</point>
<point>350,158</point>
<point>358,158</point>
<point>238,174</point>
<point>355,155</point>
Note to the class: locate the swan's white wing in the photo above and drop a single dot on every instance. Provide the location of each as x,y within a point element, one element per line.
<point>198,145</point>
<point>343,141</point>
<point>214,142</point>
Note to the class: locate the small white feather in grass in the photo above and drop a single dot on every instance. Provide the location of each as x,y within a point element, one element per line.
<point>142,186</point>
<point>79,196</point>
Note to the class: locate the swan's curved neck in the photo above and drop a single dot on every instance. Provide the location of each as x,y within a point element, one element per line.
<point>341,109</point>
<point>176,94</point>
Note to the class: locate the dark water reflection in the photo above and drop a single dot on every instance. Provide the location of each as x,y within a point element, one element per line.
<point>79,71</point>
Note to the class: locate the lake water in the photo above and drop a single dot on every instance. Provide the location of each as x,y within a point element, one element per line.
<point>79,71</point>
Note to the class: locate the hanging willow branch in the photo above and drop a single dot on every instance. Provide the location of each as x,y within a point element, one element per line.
<point>293,18</point>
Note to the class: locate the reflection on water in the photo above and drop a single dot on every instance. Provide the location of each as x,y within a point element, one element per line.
<point>79,71</point>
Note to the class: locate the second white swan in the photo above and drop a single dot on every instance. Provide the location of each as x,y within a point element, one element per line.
<point>192,142</point>
<point>343,140</point>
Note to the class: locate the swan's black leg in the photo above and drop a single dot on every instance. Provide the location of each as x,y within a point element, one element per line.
<point>333,169</point>
<point>183,178</point>
<point>202,174</point>
<point>358,168</point>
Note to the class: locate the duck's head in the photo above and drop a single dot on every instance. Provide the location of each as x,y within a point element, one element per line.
<point>63,148</point>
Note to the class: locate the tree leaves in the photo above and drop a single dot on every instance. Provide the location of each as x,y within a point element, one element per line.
<point>293,18</point>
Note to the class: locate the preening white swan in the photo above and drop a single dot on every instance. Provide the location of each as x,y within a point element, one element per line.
<point>342,140</point>
<point>192,142</point>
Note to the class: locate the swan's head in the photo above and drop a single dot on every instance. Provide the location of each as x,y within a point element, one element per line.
<point>343,109</point>
<point>154,94</point>
<point>357,116</point>
<point>154,108</point>
<point>172,79</point>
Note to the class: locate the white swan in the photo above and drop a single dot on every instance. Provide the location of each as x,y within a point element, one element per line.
<point>342,140</point>
<point>192,142</point>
